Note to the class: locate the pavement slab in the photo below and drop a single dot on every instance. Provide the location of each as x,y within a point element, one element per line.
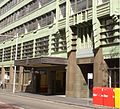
<point>8,106</point>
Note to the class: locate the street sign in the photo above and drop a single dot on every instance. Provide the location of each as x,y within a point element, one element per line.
<point>90,75</point>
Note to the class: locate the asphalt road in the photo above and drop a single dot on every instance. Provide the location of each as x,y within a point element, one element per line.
<point>33,103</point>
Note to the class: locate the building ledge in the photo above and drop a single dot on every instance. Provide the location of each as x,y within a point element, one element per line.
<point>85,60</point>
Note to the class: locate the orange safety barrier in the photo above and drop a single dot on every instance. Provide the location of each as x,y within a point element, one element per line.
<point>108,97</point>
<point>98,95</point>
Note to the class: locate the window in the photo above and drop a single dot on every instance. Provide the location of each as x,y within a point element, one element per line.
<point>73,6</point>
<point>9,6</point>
<point>99,2</point>
<point>20,30</point>
<point>31,25</point>
<point>63,10</point>
<point>79,5</point>
<point>46,19</point>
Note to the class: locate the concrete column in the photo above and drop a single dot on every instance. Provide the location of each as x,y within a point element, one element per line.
<point>20,83</point>
<point>50,45</point>
<point>57,14</point>
<point>100,69</point>
<point>34,45</point>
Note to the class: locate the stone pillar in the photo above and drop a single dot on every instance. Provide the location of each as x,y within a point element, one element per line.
<point>3,73</point>
<point>11,76</point>
<point>33,80</point>
<point>100,66</point>
<point>100,69</point>
<point>70,75</point>
<point>74,76</point>
<point>20,84</point>
<point>80,84</point>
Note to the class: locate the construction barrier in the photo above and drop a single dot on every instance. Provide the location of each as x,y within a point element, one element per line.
<point>108,97</point>
<point>103,96</point>
<point>98,95</point>
<point>117,97</point>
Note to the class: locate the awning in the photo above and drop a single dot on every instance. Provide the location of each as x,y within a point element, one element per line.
<point>41,61</point>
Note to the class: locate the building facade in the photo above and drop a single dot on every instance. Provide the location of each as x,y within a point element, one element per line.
<point>60,43</point>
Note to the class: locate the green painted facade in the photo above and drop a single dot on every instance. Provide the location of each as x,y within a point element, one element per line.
<point>108,8</point>
<point>76,27</point>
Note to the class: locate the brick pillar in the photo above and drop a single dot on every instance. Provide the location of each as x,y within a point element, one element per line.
<point>100,69</point>
<point>20,83</point>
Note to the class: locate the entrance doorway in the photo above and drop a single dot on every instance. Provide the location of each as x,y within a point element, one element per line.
<point>60,82</point>
<point>37,83</point>
<point>114,80</point>
<point>41,84</point>
<point>56,82</point>
<point>114,72</point>
<point>52,83</point>
<point>86,69</point>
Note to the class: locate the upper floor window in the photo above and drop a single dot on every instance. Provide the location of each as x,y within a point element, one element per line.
<point>62,10</point>
<point>79,5</point>
<point>43,2</point>
<point>31,25</point>
<point>24,11</point>
<point>46,19</point>
<point>99,2</point>
<point>8,6</point>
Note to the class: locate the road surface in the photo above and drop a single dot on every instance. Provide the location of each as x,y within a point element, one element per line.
<point>7,101</point>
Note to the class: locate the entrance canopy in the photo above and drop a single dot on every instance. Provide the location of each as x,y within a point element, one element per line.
<point>41,61</point>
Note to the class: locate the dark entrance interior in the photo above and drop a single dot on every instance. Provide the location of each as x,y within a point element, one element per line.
<point>87,68</point>
<point>61,84</point>
<point>37,83</point>
<point>56,82</point>
<point>41,84</point>
<point>114,74</point>
<point>50,83</point>
<point>114,71</point>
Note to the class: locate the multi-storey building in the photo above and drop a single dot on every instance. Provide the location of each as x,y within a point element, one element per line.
<point>59,43</point>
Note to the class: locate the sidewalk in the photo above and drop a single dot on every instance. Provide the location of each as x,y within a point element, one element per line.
<point>8,106</point>
<point>59,98</point>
